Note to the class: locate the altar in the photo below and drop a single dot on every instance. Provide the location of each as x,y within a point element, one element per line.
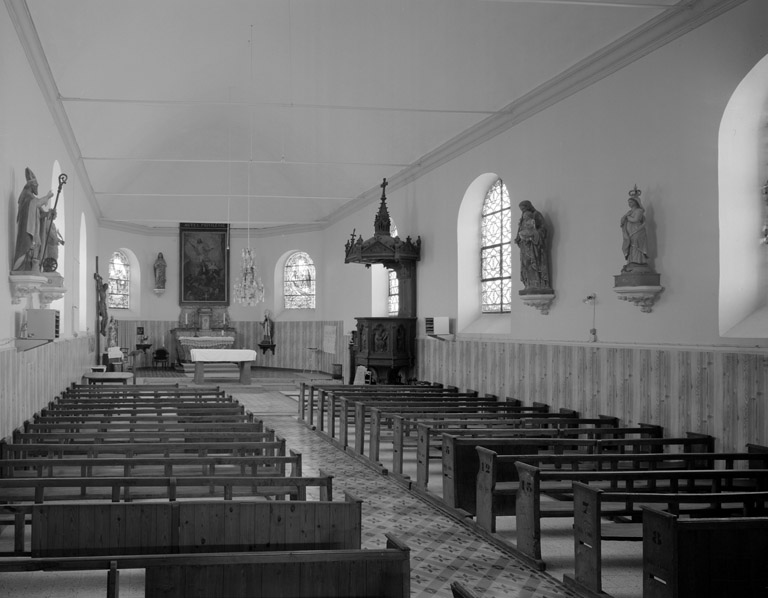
<point>242,357</point>
<point>187,343</point>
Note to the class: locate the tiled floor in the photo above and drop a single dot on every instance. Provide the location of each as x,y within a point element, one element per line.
<point>443,550</point>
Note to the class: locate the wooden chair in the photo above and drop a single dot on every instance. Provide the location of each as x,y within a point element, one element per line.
<point>162,357</point>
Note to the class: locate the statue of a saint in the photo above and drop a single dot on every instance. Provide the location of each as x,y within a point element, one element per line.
<point>634,243</point>
<point>49,260</point>
<point>160,266</point>
<point>29,237</point>
<point>269,328</point>
<point>112,332</point>
<point>532,239</point>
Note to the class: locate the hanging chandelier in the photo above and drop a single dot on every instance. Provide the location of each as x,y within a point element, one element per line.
<point>249,290</point>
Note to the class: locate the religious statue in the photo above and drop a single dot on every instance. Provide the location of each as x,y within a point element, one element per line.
<point>101,303</point>
<point>269,328</point>
<point>112,332</point>
<point>49,259</point>
<point>29,237</point>
<point>532,239</point>
<point>638,282</point>
<point>159,267</point>
<point>634,242</point>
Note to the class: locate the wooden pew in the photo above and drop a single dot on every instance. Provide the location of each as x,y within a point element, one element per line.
<point>497,481</point>
<point>340,406</point>
<point>102,529</point>
<point>308,391</point>
<point>383,573</point>
<point>703,557</point>
<point>350,573</point>
<point>118,488</point>
<point>593,506</point>
<point>461,463</point>
<point>153,466</point>
<point>23,451</point>
<point>137,436</point>
<point>362,412</point>
<point>135,390</point>
<point>108,410</point>
<point>328,405</point>
<point>127,417</point>
<point>529,510</point>
<point>157,425</point>
<point>497,415</point>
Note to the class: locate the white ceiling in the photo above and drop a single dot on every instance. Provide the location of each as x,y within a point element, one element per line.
<point>179,110</point>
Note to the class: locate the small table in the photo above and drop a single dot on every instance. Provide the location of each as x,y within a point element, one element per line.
<point>242,357</point>
<point>143,348</point>
<point>108,377</point>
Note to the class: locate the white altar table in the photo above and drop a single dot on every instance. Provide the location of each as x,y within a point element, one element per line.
<point>242,357</point>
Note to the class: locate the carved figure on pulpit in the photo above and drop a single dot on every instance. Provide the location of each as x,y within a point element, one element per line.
<point>380,340</point>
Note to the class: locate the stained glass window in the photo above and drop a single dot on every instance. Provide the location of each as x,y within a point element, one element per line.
<point>119,292</point>
<point>496,250</point>
<point>393,286</point>
<point>299,282</point>
<point>393,297</point>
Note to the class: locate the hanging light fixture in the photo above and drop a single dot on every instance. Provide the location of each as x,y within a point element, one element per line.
<point>249,290</point>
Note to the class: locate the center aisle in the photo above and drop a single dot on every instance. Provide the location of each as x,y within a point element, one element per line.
<point>442,550</point>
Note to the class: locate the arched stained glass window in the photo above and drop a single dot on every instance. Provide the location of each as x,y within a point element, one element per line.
<point>119,292</point>
<point>299,282</point>
<point>496,250</point>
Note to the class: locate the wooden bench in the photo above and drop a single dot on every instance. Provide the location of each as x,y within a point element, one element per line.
<point>147,417</point>
<point>429,444</point>
<point>529,510</point>
<point>23,451</point>
<point>344,405</point>
<point>189,410</point>
<point>461,465</point>
<point>498,415</point>
<point>158,425</point>
<point>310,394</point>
<point>86,391</point>
<point>108,377</point>
<point>137,436</point>
<point>120,488</point>
<point>593,506</point>
<point>99,529</point>
<point>159,465</point>
<point>329,405</point>
<point>382,573</point>
<point>349,573</point>
<point>362,412</point>
<point>703,557</point>
<point>497,480</point>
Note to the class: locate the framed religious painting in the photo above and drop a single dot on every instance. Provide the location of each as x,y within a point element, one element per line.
<point>204,264</point>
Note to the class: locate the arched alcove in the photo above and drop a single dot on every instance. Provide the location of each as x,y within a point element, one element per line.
<point>742,172</point>
<point>470,317</point>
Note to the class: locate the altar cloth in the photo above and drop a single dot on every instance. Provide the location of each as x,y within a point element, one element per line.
<point>235,355</point>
